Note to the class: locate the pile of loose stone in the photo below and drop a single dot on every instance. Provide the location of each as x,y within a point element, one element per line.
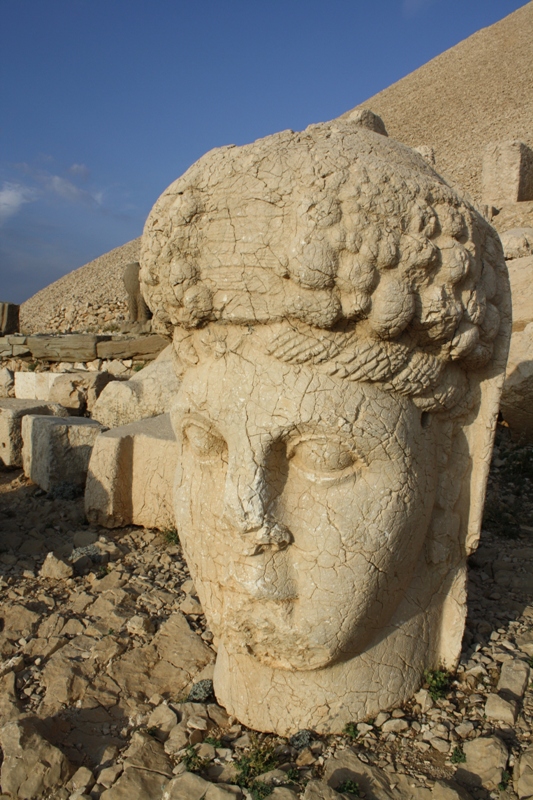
<point>106,667</point>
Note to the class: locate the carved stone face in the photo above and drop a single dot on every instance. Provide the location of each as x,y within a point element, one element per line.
<point>302,501</point>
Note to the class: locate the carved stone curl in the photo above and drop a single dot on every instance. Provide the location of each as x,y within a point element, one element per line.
<point>341,321</point>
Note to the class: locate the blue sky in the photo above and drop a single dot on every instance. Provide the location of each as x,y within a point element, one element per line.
<point>105,102</point>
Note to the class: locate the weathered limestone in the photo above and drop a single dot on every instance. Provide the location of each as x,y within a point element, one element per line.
<point>9,318</point>
<point>67,347</point>
<point>6,382</point>
<point>517,396</point>
<point>131,474</point>
<point>12,412</point>
<point>340,318</point>
<point>147,347</point>
<point>77,391</point>
<point>57,451</point>
<point>507,175</point>
<point>517,243</point>
<point>137,308</point>
<point>149,393</point>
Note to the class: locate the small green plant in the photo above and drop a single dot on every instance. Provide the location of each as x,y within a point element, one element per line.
<point>438,682</point>
<point>350,729</point>
<point>137,367</point>
<point>293,775</point>
<point>259,790</point>
<point>458,757</point>
<point>348,786</point>
<point>32,366</point>
<point>103,570</point>
<point>258,760</point>
<point>213,740</point>
<point>152,731</point>
<point>171,536</point>
<point>506,777</point>
<point>192,761</point>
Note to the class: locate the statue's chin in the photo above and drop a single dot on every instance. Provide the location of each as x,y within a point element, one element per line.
<point>289,653</point>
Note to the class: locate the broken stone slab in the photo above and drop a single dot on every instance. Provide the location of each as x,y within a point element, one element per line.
<point>9,318</point>
<point>523,774</point>
<point>130,475</point>
<point>149,393</point>
<point>449,790</point>
<point>31,765</point>
<point>147,347</point>
<point>486,759</point>
<point>6,382</point>
<point>138,784</point>
<point>65,347</point>
<point>57,451</point>
<point>507,173</point>
<point>189,786</point>
<point>502,710</point>
<point>514,677</point>
<point>12,412</point>
<point>77,391</point>
<point>373,781</point>
<point>517,243</point>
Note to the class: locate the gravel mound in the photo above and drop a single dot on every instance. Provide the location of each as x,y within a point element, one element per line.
<point>477,92</point>
<point>90,297</point>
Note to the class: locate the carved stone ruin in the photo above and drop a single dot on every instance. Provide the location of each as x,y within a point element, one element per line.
<point>341,320</point>
<point>9,318</point>
<point>507,175</point>
<point>137,309</point>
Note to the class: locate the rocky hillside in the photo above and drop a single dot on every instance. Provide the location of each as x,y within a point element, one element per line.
<point>477,92</point>
<point>90,297</point>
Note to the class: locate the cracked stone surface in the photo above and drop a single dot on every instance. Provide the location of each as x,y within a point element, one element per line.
<point>340,320</point>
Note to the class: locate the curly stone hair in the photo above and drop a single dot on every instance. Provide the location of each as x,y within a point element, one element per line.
<point>378,270</point>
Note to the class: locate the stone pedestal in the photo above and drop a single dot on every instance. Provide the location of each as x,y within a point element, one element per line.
<point>12,412</point>
<point>507,175</point>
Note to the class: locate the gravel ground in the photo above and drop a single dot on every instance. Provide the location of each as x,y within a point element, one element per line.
<point>86,299</point>
<point>477,92</point>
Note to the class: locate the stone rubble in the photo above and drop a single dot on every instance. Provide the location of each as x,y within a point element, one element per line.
<point>103,638</point>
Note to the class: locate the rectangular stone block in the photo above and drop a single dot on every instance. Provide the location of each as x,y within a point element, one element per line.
<point>6,348</point>
<point>507,174</point>
<point>9,318</point>
<point>77,391</point>
<point>12,412</point>
<point>131,474</point>
<point>146,347</point>
<point>56,452</point>
<point>67,347</point>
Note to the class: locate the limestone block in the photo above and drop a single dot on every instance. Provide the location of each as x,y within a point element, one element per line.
<point>6,382</point>
<point>6,348</point>
<point>57,451</point>
<point>507,173</point>
<point>147,347</point>
<point>130,476</point>
<point>486,758</point>
<point>9,318</point>
<point>517,396</point>
<point>514,678</point>
<point>65,347</point>
<point>514,215</point>
<point>517,243</point>
<point>12,412</point>
<point>523,778</point>
<point>340,342</point>
<point>77,391</point>
<point>500,709</point>
<point>149,393</point>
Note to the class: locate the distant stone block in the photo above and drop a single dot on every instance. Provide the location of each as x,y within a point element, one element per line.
<point>6,382</point>
<point>9,318</point>
<point>57,451</point>
<point>146,347</point>
<point>77,391</point>
<point>68,347</point>
<point>507,175</point>
<point>12,412</point>
<point>131,474</point>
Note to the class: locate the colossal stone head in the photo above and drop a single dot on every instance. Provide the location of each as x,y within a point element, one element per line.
<point>340,319</point>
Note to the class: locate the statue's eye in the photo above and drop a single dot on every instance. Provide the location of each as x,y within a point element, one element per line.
<point>203,441</point>
<point>321,455</point>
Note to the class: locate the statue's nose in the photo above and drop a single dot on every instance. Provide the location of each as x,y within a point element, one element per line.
<point>245,500</point>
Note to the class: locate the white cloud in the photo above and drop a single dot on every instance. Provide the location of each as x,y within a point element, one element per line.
<point>79,171</point>
<point>411,7</point>
<point>69,191</point>
<point>12,197</point>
